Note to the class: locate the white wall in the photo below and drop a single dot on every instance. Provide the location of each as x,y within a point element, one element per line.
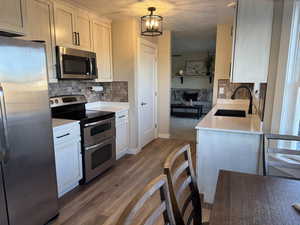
<point>191,82</point>
<point>124,45</point>
<point>164,84</point>
<point>179,63</point>
<point>125,34</point>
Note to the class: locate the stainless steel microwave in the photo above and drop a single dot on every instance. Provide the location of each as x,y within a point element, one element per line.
<point>74,64</point>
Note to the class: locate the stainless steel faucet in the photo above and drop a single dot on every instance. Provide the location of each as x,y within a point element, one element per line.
<point>250,97</point>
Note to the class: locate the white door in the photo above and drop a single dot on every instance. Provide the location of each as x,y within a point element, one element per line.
<point>42,11</point>
<point>64,25</point>
<point>83,27</point>
<point>146,95</point>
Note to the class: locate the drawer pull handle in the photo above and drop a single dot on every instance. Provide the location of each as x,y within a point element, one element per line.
<point>67,134</point>
<point>120,117</point>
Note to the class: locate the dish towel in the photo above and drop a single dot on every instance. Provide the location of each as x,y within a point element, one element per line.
<point>297,206</point>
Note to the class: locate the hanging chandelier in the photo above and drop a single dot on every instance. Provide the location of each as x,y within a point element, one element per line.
<point>151,25</point>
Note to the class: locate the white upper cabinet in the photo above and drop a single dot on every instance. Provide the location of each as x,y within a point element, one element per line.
<point>252,41</point>
<point>72,27</point>
<point>43,30</point>
<point>65,25</point>
<point>83,28</point>
<point>102,47</point>
<point>13,16</point>
<point>223,51</point>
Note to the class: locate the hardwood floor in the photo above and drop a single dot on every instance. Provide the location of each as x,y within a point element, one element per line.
<point>102,201</point>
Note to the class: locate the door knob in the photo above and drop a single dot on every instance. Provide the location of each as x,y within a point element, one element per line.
<point>143,103</point>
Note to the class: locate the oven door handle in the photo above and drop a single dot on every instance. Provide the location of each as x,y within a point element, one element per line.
<point>98,123</point>
<point>98,145</point>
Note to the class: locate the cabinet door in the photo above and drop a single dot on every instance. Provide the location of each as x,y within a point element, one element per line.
<point>83,27</point>
<point>252,43</point>
<point>64,25</point>
<point>102,47</point>
<point>122,138</point>
<point>68,165</point>
<point>13,16</point>
<point>42,11</point>
<point>223,51</point>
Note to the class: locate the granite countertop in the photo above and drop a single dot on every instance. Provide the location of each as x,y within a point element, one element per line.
<point>250,124</point>
<point>61,122</point>
<point>108,106</point>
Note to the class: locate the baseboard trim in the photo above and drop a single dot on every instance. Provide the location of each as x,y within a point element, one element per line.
<point>120,155</point>
<point>164,135</point>
<point>133,151</point>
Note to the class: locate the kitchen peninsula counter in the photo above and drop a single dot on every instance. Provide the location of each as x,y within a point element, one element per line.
<point>227,143</point>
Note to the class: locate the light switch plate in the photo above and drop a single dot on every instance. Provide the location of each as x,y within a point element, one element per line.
<point>221,90</point>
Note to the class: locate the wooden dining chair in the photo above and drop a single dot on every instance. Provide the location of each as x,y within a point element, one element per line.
<point>184,192</point>
<point>140,212</point>
<point>283,162</point>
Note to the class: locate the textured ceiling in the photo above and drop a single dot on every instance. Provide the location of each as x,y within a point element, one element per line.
<point>193,22</point>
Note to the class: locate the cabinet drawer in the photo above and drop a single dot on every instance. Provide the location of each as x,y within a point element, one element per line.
<point>65,133</point>
<point>121,117</point>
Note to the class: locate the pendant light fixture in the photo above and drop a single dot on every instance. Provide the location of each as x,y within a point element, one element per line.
<point>151,25</point>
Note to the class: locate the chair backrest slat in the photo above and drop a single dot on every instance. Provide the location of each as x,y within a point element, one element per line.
<point>281,161</point>
<point>285,165</point>
<point>179,171</point>
<point>191,217</point>
<point>157,185</point>
<point>183,186</point>
<point>180,185</point>
<point>186,204</point>
<point>154,216</point>
<point>283,151</point>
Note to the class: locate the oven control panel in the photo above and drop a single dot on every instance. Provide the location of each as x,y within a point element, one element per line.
<point>66,100</point>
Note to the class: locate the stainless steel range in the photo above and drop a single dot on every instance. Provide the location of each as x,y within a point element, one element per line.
<point>97,133</point>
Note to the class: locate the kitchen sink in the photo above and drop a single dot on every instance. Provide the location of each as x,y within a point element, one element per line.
<point>230,113</point>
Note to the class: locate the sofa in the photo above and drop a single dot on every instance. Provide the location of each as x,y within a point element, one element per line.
<point>196,96</point>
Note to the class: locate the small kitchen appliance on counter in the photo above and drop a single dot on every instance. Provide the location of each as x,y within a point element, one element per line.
<point>98,133</point>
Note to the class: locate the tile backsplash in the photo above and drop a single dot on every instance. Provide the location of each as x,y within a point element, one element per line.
<point>116,91</point>
<point>228,89</point>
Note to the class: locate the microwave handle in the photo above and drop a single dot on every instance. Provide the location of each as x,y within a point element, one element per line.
<point>91,67</point>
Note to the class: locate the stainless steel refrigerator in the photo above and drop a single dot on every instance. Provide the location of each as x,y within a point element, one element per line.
<point>28,189</point>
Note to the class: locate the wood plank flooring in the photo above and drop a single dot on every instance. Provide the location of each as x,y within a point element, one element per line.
<point>102,201</point>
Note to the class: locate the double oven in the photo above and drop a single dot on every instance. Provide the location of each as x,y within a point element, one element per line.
<point>98,133</point>
<point>99,146</point>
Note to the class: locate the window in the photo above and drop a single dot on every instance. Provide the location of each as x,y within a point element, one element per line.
<point>290,120</point>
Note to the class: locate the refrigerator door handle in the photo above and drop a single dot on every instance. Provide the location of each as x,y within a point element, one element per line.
<point>4,136</point>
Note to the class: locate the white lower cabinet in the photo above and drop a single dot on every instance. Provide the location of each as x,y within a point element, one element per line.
<point>68,159</point>
<point>122,133</point>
